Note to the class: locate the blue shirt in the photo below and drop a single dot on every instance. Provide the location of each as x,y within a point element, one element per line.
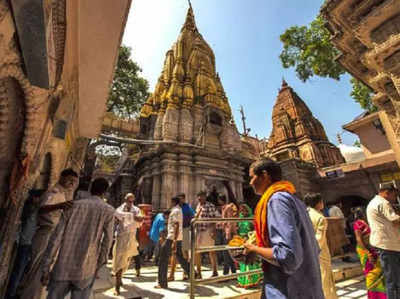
<point>157,227</point>
<point>188,214</point>
<point>296,250</point>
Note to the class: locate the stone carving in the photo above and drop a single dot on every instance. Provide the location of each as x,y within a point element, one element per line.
<point>170,125</point>
<point>391,63</point>
<point>295,132</point>
<point>376,25</point>
<point>386,29</point>
<point>186,126</point>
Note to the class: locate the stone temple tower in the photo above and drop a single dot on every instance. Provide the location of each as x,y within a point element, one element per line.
<point>195,144</point>
<point>296,133</point>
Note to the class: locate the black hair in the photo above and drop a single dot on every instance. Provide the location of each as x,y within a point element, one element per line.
<point>222,197</point>
<point>271,167</point>
<point>167,212</point>
<point>176,200</point>
<point>36,192</point>
<point>359,213</point>
<point>387,187</point>
<point>181,195</point>
<point>68,172</point>
<point>312,199</point>
<point>99,186</point>
<point>202,193</point>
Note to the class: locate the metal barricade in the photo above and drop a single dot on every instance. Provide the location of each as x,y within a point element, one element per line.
<point>194,250</point>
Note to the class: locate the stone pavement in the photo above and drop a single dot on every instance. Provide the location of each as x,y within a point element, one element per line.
<point>143,287</point>
<point>352,288</point>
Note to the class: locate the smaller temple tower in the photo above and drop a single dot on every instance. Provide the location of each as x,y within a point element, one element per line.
<point>296,133</point>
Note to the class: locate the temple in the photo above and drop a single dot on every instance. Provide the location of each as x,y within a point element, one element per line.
<point>296,133</point>
<point>196,145</point>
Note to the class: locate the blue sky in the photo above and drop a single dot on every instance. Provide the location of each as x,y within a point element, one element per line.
<point>245,38</point>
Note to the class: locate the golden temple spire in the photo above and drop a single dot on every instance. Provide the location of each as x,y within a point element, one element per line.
<point>190,23</point>
<point>188,74</point>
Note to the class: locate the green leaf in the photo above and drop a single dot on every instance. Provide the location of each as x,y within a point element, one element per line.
<point>309,50</point>
<point>129,90</point>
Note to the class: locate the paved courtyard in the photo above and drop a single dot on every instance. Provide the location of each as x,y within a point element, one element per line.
<point>352,288</point>
<point>143,287</point>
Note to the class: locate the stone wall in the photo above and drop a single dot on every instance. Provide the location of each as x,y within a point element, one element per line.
<point>166,173</point>
<point>40,134</point>
<point>302,174</point>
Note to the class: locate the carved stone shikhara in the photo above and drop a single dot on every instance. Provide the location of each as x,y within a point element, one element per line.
<point>296,133</point>
<point>189,114</point>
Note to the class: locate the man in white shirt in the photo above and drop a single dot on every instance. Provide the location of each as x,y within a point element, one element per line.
<point>385,236</point>
<point>172,243</point>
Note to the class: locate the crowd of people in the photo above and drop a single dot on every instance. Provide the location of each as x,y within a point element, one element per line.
<point>65,240</point>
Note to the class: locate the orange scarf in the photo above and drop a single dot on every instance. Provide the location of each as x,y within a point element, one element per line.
<point>260,215</point>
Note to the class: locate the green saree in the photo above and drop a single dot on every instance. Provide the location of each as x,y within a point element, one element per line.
<point>247,281</point>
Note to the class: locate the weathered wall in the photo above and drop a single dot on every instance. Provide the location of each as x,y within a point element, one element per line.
<point>39,127</point>
<point>302,174</point>
<point>170,171</point>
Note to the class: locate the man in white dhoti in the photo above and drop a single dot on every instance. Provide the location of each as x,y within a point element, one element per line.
<point>126,245</point>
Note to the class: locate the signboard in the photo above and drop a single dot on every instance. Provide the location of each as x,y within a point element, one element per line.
<point>387,177</point>
<point>331,174</point>
<point>337,173</point>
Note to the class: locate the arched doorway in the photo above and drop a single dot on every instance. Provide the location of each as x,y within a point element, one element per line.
<point>351,201</point>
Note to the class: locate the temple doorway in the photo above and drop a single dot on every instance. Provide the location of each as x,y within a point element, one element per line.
<point>351,201</point>
<point>215,188</point>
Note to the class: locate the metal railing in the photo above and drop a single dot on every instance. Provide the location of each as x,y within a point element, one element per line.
<point>194,250</point>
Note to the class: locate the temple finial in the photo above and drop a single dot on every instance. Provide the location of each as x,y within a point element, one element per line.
<point>284,83</point>
<point>190,23</point>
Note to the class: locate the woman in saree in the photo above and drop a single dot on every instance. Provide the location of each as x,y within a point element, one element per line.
<point>244,227</point>
<point>368,257</point>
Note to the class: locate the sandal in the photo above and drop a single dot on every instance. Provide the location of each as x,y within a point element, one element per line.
<point>171,279</point>
<point>160,287</point>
